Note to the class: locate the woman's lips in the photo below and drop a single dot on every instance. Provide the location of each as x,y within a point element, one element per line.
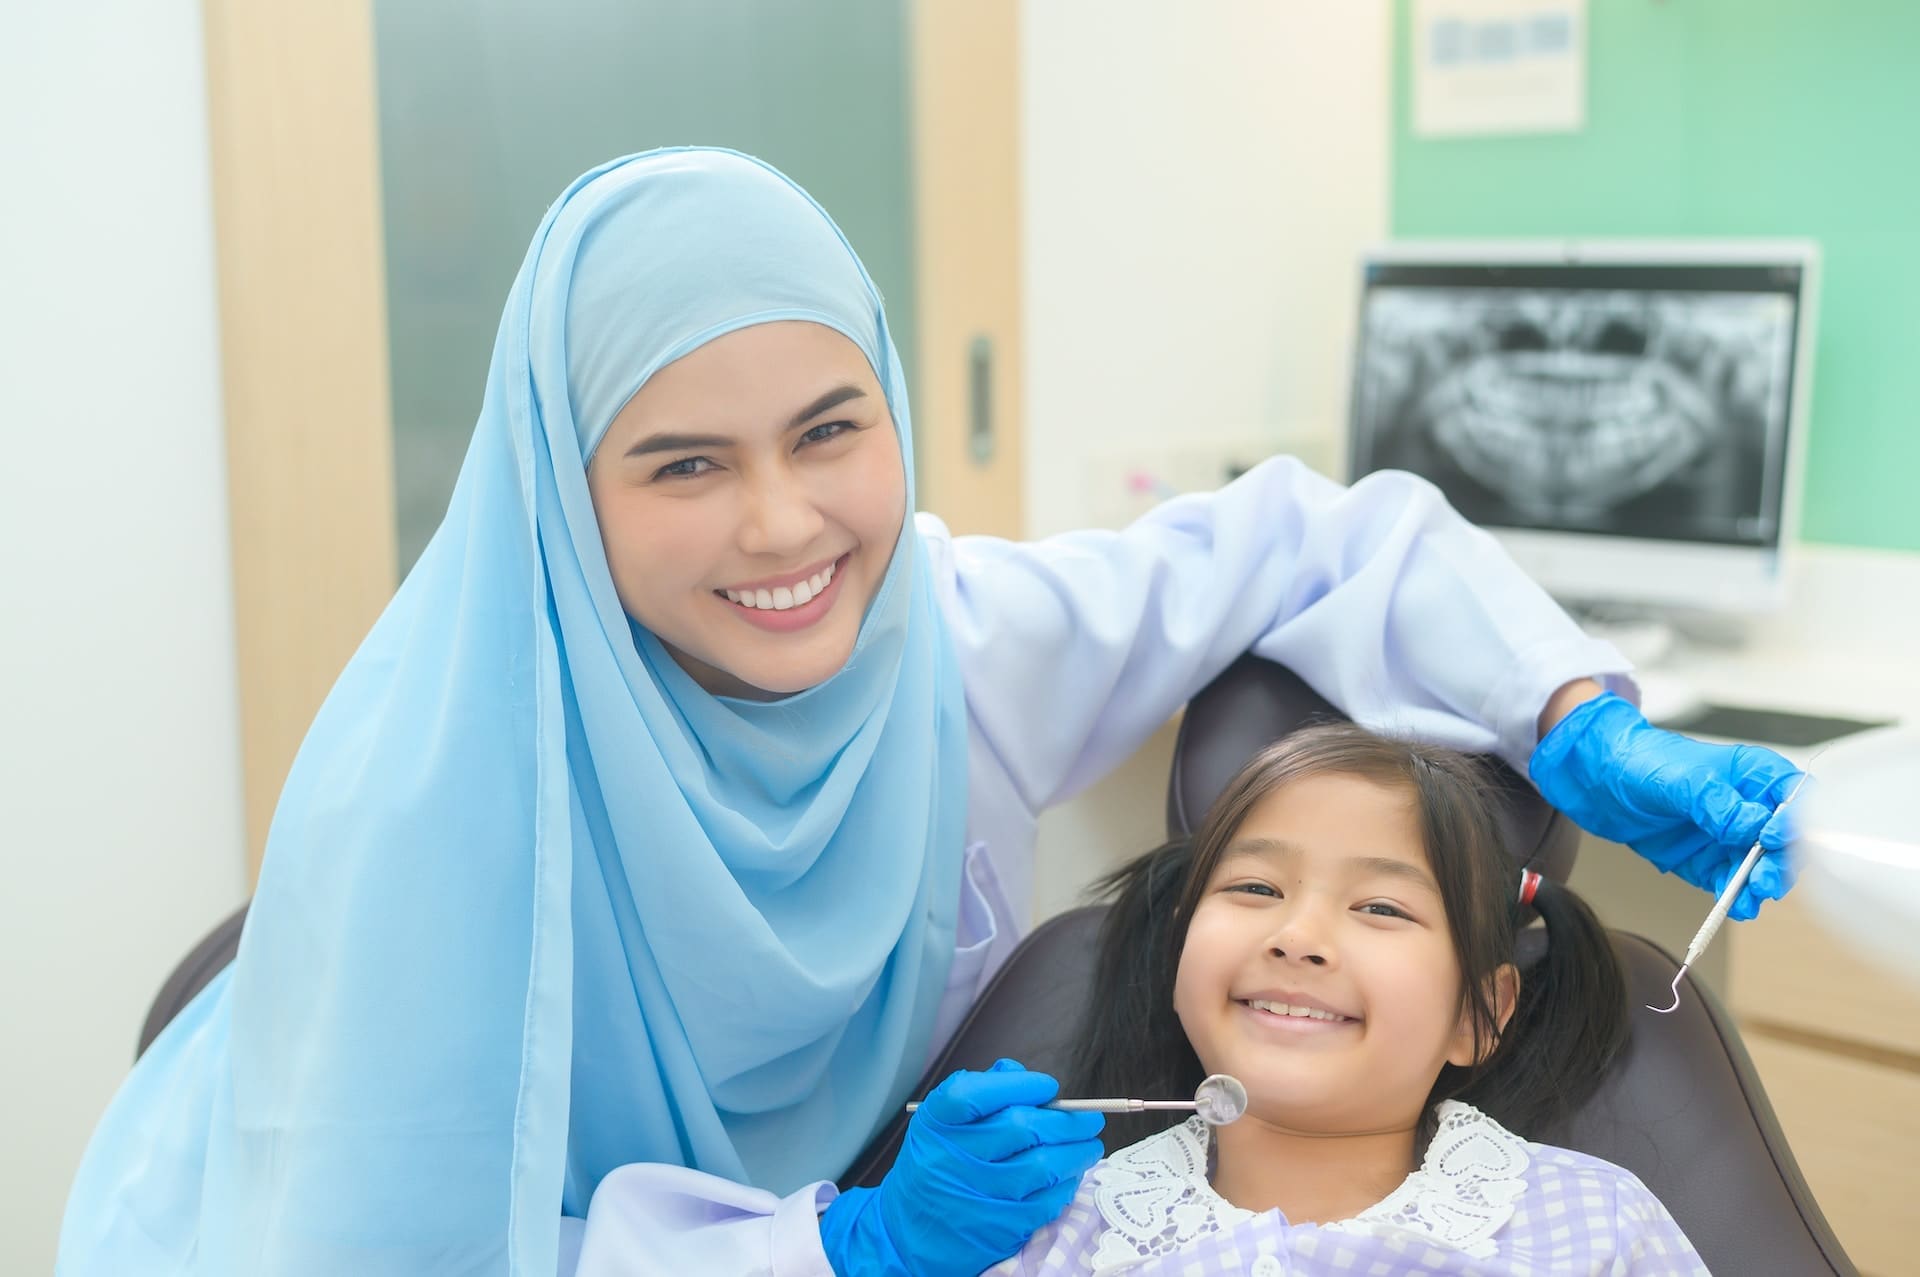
<point>788,580</point>
<point>798,616</point>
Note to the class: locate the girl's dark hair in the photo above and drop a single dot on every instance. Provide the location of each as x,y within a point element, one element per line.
<point>1568,1025</point>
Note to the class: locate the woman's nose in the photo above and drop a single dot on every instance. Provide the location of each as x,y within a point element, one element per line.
<point>780,518</point>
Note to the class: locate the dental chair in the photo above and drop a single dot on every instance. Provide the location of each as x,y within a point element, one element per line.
<point>1683,1108</point>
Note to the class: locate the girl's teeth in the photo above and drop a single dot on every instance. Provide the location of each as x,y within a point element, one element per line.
<point>1281,1008</point>
<point>779,600</point>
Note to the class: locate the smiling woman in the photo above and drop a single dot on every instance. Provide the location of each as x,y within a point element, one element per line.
<point>752,546</point>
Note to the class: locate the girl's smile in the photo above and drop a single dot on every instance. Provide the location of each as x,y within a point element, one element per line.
<point>1297,1014</point>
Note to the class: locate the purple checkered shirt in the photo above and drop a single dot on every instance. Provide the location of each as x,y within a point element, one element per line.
<point>1484,1201</point>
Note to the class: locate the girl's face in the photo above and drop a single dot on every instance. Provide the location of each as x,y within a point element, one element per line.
<point>749,497</point>
<point>1318,967</point>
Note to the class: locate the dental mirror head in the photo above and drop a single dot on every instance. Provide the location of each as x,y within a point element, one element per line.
<point>1220,1099</point>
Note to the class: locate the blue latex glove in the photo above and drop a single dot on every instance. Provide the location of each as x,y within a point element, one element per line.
<point>1691,808</point>
<point>982,1168</point>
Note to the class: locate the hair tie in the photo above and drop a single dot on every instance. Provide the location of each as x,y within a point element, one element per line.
<point>1529,884</point>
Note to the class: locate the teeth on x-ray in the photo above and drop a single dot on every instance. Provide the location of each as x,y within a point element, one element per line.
<point>1565,407</point>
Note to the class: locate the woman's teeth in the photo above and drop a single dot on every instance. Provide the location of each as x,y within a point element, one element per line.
<point>1281,1008</point>
<point>786,596</point>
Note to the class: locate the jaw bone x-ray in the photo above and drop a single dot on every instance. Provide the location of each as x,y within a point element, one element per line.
<point>1628,412</point>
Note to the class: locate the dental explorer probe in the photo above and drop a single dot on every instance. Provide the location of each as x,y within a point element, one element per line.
<point>1220,1099</point>
<point>1704,937</point>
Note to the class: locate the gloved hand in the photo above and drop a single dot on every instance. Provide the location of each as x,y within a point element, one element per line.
<point>981,1170</point>
<point>1691,808</point>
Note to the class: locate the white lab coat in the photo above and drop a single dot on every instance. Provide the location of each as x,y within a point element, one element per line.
<point>1075,649</point>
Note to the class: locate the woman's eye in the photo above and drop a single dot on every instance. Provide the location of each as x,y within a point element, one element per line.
<point>1382,910</point>
<point>826,430</point>
<point>1254,889</point>
<point>685,468</point>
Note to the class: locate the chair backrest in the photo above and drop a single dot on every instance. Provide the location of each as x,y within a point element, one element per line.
<point>1256,702</point>
<point>1682,1108</point>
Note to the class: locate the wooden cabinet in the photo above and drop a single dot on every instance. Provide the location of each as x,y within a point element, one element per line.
<point>1836,1039</point>
<point>1854,1127</point>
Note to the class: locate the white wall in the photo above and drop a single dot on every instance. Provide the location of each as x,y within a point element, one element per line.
<point>120,833</point>
<point>1199,180</point>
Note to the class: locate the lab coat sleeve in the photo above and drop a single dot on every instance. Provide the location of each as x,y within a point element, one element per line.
<point>651,1220</point>
<point>1074,649</point>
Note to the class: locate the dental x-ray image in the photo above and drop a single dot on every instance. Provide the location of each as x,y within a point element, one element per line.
<point>1638,413</point>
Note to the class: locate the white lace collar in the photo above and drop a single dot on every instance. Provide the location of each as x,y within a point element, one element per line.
<point>1154,1198</point>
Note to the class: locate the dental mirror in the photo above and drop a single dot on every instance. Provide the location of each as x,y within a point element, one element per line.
<point>1218,1100</point>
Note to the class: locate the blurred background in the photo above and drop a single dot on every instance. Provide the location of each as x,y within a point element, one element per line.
<point>253,256</point>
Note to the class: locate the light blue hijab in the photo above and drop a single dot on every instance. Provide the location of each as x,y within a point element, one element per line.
<point>534,905</point>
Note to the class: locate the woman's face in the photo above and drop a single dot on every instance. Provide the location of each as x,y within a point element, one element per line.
<point>1318,967</point>
<point>749,497</point>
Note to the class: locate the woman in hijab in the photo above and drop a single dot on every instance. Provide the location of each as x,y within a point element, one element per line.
<point>684,795</point>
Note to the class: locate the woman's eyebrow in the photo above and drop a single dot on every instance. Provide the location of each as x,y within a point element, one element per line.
<point>677,443</point>
<point>683,442</point>
<point>832,399</point>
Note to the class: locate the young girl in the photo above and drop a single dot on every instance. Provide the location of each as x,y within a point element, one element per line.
<point>1341,936</point>
<point>684,796</point>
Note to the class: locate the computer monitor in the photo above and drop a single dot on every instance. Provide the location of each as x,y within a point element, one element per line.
<point>1627,417</point>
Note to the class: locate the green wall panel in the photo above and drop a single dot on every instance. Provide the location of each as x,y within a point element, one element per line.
<point>489,107</point>
<point>1739,118</point>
